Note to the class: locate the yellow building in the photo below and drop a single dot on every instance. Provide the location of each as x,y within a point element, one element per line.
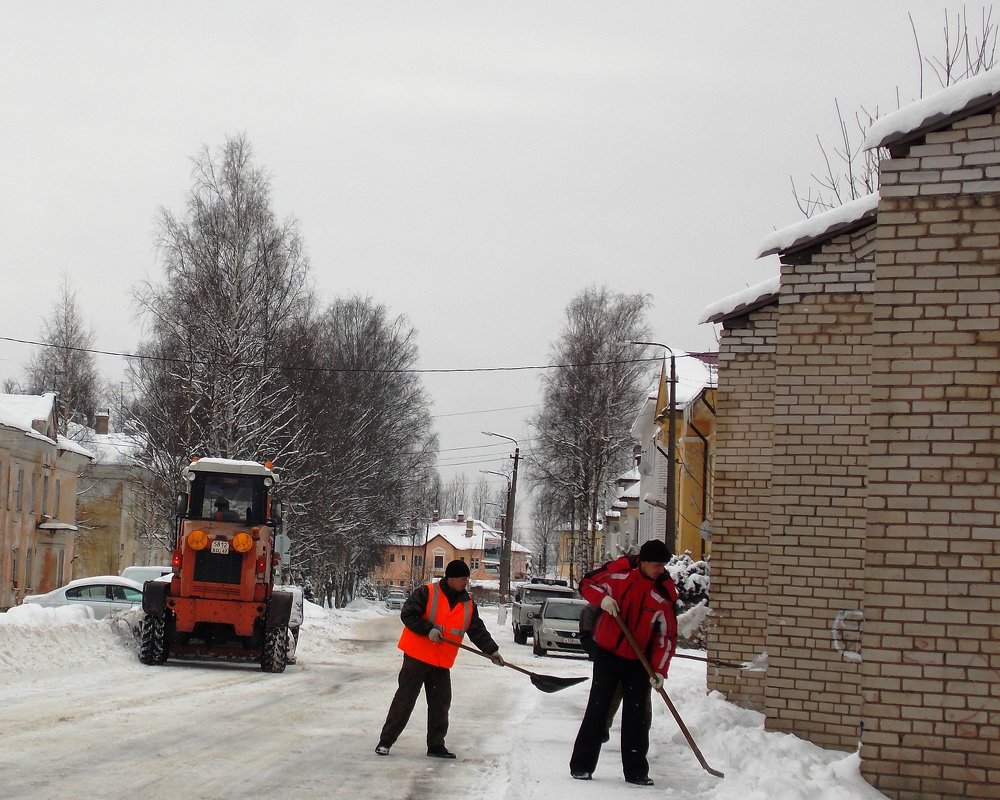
<point>693,419</point>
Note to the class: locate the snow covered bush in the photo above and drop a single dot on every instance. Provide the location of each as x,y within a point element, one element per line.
<point>692,579</point>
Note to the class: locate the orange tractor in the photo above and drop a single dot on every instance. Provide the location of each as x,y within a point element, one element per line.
<point>220,600</point>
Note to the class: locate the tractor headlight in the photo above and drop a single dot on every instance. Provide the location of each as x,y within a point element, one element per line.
<point>197,540</point>
<point>242,542</point>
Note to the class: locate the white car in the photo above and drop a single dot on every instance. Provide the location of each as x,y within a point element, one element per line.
<point>103,594</point>
<point>394,599</point>
<point>143,574</point>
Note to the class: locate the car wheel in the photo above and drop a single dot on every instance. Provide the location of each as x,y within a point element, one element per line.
<point>520,637</point>
<point>536,648</point>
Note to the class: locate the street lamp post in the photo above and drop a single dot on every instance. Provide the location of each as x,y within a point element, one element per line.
<point>508,528</point>
<point>671,448</point>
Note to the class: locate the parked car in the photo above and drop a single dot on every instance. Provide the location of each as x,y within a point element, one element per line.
<point>557,626</point>
<point>528,599</point>
<point>394,599</point>
<point>143,574</point>
<point>103,594</point>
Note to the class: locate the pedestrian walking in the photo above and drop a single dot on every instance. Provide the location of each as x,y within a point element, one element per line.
<point>641,592</point>
<point>435,618</point>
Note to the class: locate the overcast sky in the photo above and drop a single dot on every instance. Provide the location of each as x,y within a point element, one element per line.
<point>471,165</point>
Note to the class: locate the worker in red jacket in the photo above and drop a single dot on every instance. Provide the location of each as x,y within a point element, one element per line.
<point>641,593</point>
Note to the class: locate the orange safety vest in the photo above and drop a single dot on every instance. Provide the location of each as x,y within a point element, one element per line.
<point>453,623</point>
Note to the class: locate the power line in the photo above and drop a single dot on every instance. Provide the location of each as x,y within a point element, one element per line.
<point>483,411</point>
<point>363,370</point>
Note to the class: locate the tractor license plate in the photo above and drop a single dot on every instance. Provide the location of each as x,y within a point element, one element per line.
<point>221,547</point>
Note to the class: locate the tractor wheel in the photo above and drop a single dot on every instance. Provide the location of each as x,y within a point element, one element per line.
<point>275,654</point>
<point>153,647</point>
<point>520,635</point>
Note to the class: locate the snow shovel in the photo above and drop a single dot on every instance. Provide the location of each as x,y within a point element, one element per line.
<point>546,683</point>
<point>759,664</point>
<point>667,700</point>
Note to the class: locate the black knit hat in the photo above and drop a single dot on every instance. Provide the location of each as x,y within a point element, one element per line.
<point>457,569</point>
<point>654,550</point>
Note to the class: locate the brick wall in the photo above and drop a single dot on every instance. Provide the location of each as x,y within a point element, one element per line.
<point>819,465</point>
<point>742,502</point>
<point>932,631</point>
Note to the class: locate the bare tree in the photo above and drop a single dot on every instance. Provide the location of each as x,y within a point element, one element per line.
<point>64,364</point>
<point>547,513</point>
<point>367,416</point>
<point>455,496</point>
<point>582,433</point>
<point>209,380</point>
<point>849,171</point>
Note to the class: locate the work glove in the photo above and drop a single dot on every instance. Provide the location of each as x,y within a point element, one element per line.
<point>656,682</point>
<point>497,659</point>
<point>435,636</point>
<point>609,604</point>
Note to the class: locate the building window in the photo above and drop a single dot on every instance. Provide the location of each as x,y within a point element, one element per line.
<point>402,556</point>
<point>392,558</point>
<point>45,495</point>
<point>13,567</point>
<point>474,564</point>
<point>20,489</point>
<point>439,561</point>
<point>55,500</point>
<point>418,561</point>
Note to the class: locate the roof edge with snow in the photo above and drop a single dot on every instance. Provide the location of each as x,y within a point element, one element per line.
<point>821,227</point>
<point>930,113</point>
<point>740,303</point>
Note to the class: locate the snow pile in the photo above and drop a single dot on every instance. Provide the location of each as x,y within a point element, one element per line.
<point>39,640</point>
<point>520,752</point>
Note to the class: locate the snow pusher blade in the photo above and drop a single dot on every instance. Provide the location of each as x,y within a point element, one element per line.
<point>544,683</point>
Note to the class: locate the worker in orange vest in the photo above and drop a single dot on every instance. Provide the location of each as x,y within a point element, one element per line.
<point>435,618</point>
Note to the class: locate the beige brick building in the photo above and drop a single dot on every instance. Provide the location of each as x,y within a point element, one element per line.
<point>882,504</point>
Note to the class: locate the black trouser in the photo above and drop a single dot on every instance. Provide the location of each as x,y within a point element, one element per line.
<point>436,682</point>
<point>610,671</point>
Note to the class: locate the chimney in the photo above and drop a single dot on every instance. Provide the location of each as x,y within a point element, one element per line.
<point>101,420</point>
<point>435,516</point>
<point>469,528</point>
<point>460,517</point>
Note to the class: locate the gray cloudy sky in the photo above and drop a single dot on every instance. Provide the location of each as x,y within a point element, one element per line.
<point>471,165</point>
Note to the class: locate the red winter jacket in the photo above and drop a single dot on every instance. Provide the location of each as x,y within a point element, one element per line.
<point>646,608</point>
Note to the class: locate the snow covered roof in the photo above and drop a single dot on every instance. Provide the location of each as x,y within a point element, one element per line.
<point>743,302</point>
<point>230,465</point>
<point>930,113</point>
<point>108,448</point>
<point>693,376</point>
<point>830,223</point>
<point>453,532</point>
<point>115,448</point>
<point>22,411</point>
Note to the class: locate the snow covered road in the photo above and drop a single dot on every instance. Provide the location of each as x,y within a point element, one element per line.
<point>82,718</point>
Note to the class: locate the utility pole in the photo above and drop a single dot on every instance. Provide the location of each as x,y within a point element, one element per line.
<point>508,528</point>
<point>671,527</point>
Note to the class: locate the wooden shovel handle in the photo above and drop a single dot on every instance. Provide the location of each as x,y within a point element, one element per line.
<point>666,699</point>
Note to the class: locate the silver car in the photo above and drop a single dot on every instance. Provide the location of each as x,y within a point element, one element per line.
<point>557,626</point>
<point>394,599</point>
<point>102,594</point>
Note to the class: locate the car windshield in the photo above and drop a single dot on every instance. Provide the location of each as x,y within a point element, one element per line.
<point>563,611</point>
